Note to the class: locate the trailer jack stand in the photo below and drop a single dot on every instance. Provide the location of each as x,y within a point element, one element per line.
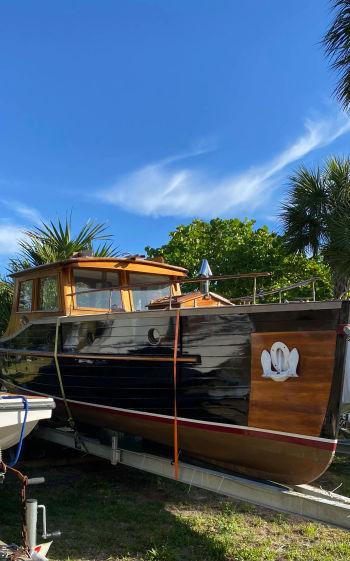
<point>31,516</point>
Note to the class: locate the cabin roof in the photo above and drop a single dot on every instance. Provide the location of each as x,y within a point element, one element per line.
<point>195,295</point>
<point>95,260</point>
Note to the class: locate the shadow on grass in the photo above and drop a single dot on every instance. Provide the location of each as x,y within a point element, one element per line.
<point>112,513</point>
<point>116,513</point>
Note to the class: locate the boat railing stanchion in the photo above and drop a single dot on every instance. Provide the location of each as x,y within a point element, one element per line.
<point>254,291</point>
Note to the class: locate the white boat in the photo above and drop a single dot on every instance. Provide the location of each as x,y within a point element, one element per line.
<point>21,413</point>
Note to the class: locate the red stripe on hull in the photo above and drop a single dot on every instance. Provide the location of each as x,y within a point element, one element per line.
<point>245,431</point>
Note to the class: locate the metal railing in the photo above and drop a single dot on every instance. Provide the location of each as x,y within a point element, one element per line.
<point>259,295</point>
<point>253,298</point>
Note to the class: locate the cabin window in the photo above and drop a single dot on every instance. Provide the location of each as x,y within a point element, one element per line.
<point>48,294</point>
<point>145,290</point>
<point>97,289</point>
<point>25,296</point>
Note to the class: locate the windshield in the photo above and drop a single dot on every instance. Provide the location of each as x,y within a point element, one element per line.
<point>144,293</point>
<point>97,289</point>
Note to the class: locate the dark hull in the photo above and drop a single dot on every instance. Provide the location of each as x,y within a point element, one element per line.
<point>115,378</point>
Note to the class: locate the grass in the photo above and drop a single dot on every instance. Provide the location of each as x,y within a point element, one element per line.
<point>119,514</point>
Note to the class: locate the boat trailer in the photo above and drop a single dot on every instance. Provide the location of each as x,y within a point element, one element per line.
<point>302,500</point>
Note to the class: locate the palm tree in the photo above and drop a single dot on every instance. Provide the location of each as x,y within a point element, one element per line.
<point>55,242</point>
<point>316,217</point>
<point>6,295</point>
<point>49,243</point>
<point>337,45</point>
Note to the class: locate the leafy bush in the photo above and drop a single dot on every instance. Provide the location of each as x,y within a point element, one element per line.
<point>234,246</point>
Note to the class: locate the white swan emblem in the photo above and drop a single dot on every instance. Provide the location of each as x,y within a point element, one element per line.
<point>285,362</point>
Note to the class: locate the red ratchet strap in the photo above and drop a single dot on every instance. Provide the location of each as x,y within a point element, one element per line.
<point>176,441</point>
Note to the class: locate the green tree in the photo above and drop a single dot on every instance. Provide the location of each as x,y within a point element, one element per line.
<point>316,217</point>
<point>49,243</point>
<point>234,246</point>
<point>337,45</point>
<point>6,295</point>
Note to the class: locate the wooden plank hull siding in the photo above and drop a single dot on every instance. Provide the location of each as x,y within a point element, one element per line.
<point>116,375</point>
<point>299,404</point>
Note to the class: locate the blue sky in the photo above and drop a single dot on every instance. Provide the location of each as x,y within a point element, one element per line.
<point>148,113</point>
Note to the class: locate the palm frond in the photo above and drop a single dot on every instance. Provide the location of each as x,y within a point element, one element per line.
<point>52,242</point>
<point>337,178</point>
<point>337,249</point>
<point>302,215</point>
<point>6,297</point>
<point>106,250</point>
<point>337,47</point>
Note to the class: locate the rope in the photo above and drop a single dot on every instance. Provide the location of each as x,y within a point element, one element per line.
<point>21,438</point>
<point>79,442</point>
<point>176,439</point>
<point>24,482</point>
<point>59,375</point>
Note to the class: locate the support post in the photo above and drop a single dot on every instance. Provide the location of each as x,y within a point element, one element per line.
<point>114,456</point>
<point>31,522</point>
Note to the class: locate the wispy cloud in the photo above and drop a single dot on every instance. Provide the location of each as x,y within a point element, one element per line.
<point>9,236</point>
<point>29,213</point>
<point>10,230</point>
<point>166,188</point>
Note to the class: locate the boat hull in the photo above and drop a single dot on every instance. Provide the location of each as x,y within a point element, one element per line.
<point>229,413</point>
<point>281,457</point>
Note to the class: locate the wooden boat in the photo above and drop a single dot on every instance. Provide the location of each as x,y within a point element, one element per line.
<point>253,388</point>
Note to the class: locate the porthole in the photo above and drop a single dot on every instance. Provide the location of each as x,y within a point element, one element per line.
<point>154,336</point>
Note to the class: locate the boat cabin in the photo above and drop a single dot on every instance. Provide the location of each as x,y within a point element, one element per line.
<point>86,285</point>
<point>90,285</point>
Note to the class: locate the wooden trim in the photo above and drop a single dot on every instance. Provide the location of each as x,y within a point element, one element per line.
<point>141,266</point>
<point>107,262</point>
<point>125,294</point>
<point>36,293</point>
<point>148,358</point>
<point>299,402</point>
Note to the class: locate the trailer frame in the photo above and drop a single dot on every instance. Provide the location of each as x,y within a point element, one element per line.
<point>303,500</point>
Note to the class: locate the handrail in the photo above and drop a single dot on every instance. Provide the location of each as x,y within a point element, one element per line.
<point>279,290</point>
